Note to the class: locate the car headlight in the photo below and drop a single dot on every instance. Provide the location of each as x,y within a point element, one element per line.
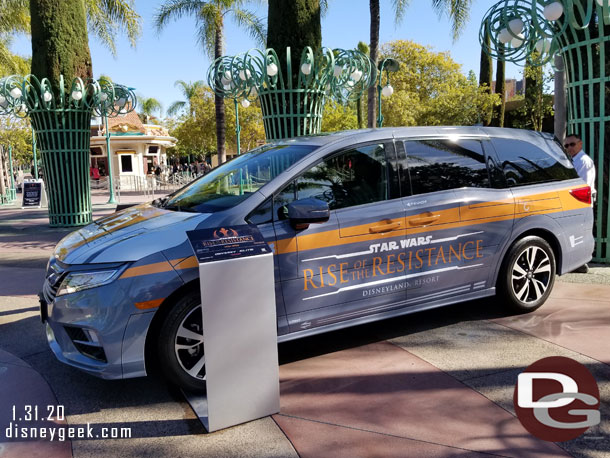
<point>78,281</point>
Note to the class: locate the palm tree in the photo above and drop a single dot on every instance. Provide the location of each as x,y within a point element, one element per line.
<point>105,19</point>
<point>148,106</point>
<point>209,16</point>
<point>189,91</point>
<point>457,10</point>
<point>364,49</point>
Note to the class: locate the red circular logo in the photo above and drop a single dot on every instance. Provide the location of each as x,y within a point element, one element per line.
<point>557,399</point>
<point>224,233</point>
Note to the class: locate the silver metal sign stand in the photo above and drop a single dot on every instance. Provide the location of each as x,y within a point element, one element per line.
<point>240,342</point>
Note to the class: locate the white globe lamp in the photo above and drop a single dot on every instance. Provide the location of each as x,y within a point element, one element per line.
<point>272,69</point>
<point>387,90</point>
<point>553,11</point>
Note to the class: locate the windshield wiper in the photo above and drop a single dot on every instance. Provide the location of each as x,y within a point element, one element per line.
<point>160,202</point>
<point>178,208</point>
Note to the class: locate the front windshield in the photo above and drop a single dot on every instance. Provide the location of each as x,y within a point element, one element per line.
<point>231,183</point>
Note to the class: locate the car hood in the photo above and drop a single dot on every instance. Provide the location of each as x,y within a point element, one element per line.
<point>127,235</point>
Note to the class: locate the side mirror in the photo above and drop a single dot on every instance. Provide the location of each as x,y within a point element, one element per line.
<point>304,212</point>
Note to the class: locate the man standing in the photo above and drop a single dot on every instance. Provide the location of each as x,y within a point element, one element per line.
<point>584,167</point>
<point>582,163</point>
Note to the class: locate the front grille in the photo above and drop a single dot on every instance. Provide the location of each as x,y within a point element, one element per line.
<point>55,275</point>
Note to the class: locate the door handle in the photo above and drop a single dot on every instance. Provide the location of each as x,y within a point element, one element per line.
<point>384,228</point>
<point>424,220</point>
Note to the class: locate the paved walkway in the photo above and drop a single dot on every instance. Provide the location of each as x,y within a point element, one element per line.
<point>435,384</point>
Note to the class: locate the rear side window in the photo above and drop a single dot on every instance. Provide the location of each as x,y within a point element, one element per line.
<point>526,163</point>
<point>437,165</point>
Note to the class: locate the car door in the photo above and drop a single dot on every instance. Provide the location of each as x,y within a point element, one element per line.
<point>446,253</point>
<point>349,266</point>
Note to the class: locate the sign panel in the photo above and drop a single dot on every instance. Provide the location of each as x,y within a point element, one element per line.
<point>32,193</point>
<point>227,243</point>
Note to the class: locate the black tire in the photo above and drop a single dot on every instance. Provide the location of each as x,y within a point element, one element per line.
<point>185,317</point>
<point>527,275</point>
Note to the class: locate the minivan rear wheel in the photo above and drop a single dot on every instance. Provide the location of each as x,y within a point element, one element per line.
<point>180,344</point>
<point>528,274</point>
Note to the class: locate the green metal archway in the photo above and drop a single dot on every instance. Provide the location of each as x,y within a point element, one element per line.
<point>579,31</point>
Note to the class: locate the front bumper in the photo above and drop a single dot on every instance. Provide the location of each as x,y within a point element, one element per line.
<point>82,332</point>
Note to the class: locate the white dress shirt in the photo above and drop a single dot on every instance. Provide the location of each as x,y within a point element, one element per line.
<point>585,168</point>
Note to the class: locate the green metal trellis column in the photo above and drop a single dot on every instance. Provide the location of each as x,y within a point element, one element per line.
<point>63,137</point>
<point>579,31</point>
<point>61,120</point>
<point>292,96</point>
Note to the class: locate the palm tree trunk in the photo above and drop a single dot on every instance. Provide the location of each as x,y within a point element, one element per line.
<point>219,101</point>
<point>374,6</point>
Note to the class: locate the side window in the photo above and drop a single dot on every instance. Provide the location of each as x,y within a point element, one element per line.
<point>262,214</point>
<point>281,200</point>
<point>524,163</point>
<point>436,165</point>
<point>354,177</point>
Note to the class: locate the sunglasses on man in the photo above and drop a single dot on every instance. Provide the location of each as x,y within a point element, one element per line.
<point>568,145</point>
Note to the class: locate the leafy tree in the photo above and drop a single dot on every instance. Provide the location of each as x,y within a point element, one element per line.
<point>14,18</point>
<point>537,105</point>
<point>209,16</point>
<point>148,106</point>
<point>195,129</point>
<point>251,123</point>
<point>17,133</point>
<point>457,10</point>
<point>338,117</point>
<point>189,91</point>
<point>430,89</point>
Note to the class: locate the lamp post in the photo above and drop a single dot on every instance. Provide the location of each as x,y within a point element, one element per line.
<point>389,65</point>
<point>114,100</point>
<point>34,151</point>
<point>12,191</point>
<point>111,200</point>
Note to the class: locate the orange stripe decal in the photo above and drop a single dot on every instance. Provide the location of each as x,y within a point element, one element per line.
<point>479,213</point>
<point>149,304</point>
<point>155,268</point>
<point>186,263</point>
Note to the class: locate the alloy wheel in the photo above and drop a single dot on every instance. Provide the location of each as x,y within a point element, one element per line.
<point>531,274</point>
<point>188,344</point>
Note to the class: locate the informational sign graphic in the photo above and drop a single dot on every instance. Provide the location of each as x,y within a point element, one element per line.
<point>227,242</point>
<point>32,193</point>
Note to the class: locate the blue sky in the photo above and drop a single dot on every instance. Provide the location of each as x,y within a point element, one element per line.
<point>160,59</point>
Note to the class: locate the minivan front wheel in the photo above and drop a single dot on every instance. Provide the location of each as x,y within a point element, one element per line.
<point>180,344</point>
<point>528,274</point>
